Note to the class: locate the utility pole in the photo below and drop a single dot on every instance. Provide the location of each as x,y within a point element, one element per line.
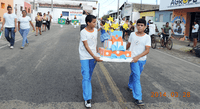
<point>118,10</point>
<point>141,6</point>
<point>156,2</point>
<point>51,5</point>
<point>33,4</point>
<point>98,9</point>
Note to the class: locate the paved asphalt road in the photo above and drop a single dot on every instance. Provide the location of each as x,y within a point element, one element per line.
<point>47,75</point>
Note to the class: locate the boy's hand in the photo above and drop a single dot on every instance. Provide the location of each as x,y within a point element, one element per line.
<point>1,29</point>
<point>97,59</point>
<point>135,59</point>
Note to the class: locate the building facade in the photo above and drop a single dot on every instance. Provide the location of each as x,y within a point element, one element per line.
<point>131,10</point>
<point>184,14</point>
<point>3,7</point>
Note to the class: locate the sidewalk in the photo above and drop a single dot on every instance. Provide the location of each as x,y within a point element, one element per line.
<point>182,45</point>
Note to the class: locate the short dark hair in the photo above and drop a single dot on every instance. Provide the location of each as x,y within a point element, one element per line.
<point>142,21</point>
<point>167,23</point>
<point>103,22</point>
<point>89,18</point>
<point>9,7</point>
<point>196,21</point>
<point>24,11</point>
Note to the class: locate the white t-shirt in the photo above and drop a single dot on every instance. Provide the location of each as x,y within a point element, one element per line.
<point>91,38</point>
<point>138,44</point>
<point>195,30</point>
<point>152,28</point>
<point>24,22</point>
<point>9,20</point>
<point>82,19</point>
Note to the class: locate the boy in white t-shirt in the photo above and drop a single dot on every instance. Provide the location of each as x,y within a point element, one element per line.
<point>88,56</point>
<point>139,44</point>
<point>10,23</point>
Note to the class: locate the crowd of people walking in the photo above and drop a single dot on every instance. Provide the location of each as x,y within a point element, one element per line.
<point>11,23</point>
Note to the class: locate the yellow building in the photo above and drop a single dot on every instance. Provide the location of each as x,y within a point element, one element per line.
<point>3,7</point>
<point>148,14</point>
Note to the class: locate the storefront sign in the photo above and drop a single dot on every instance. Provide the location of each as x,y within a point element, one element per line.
<point>178,4</point>
<point>74,13</point>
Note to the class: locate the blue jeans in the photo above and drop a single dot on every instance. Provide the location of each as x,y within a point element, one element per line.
<point>134,79</point>
<point>87,67</point>
<point>11,39</point>
<point>24,33</point>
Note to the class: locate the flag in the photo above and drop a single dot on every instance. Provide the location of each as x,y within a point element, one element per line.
<point>61,21</point>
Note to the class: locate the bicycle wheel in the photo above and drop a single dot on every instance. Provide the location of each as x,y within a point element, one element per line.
<point>169,44</point>
<point>153,42</point>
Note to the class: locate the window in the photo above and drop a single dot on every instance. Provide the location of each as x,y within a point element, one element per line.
<point>161,18</point>
<point>2,5</point>
<point>64,13</point>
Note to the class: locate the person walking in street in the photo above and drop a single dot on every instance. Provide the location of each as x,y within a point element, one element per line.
<point>44,22</point>
<point>10,23</point>
<point>38,20</point>
<point>139,44</point>
<point>88,58</point>
<point>82,20</point>
<point>24,28</point>
<point>49,20</point>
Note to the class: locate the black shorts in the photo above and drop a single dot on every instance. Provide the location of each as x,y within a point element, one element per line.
<point>194,35</point>
<point>38,23</point>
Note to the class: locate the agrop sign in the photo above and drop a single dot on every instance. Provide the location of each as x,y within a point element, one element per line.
<point>178,4</point>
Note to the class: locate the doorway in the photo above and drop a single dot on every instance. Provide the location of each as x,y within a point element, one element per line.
<point>195,16</point>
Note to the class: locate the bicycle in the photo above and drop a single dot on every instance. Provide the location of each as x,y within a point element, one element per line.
<point>167,43</point>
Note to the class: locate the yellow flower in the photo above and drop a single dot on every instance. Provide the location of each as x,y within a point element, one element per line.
<point>125,26</point>
<point>112,30</point>
<point>106,25</point>
<point>106,29</point>
<point>115,25</point>
<point>111,19</point>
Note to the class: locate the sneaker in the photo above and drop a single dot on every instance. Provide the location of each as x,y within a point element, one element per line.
<point>26,44</point>
<point>11,47</point>
<point>139,102</point>
<point>88,104</point>
<point>22,48</point>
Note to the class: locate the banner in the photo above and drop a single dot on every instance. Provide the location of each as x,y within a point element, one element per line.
<point>178,4</point>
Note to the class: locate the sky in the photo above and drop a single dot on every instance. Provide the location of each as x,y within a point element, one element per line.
<point>106,5</point>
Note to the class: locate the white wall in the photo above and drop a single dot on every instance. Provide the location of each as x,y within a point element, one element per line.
<point>160,25</point>
<point>57,12</point>
<point>135,16</point>
<point>19,4</point>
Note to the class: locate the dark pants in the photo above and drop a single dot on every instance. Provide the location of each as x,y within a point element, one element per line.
<point>165,37</point>
<point>82,27</point>
<point>48,25</point>
<point>11,39</point>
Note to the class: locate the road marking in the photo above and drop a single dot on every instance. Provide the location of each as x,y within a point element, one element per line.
<point>102,87</point>
<point>178,58</point>
<point>44,57</point>
<point>38,64</point>
<point>113,86</point>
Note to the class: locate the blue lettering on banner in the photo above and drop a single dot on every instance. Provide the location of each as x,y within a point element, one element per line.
<point>175,3</point>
